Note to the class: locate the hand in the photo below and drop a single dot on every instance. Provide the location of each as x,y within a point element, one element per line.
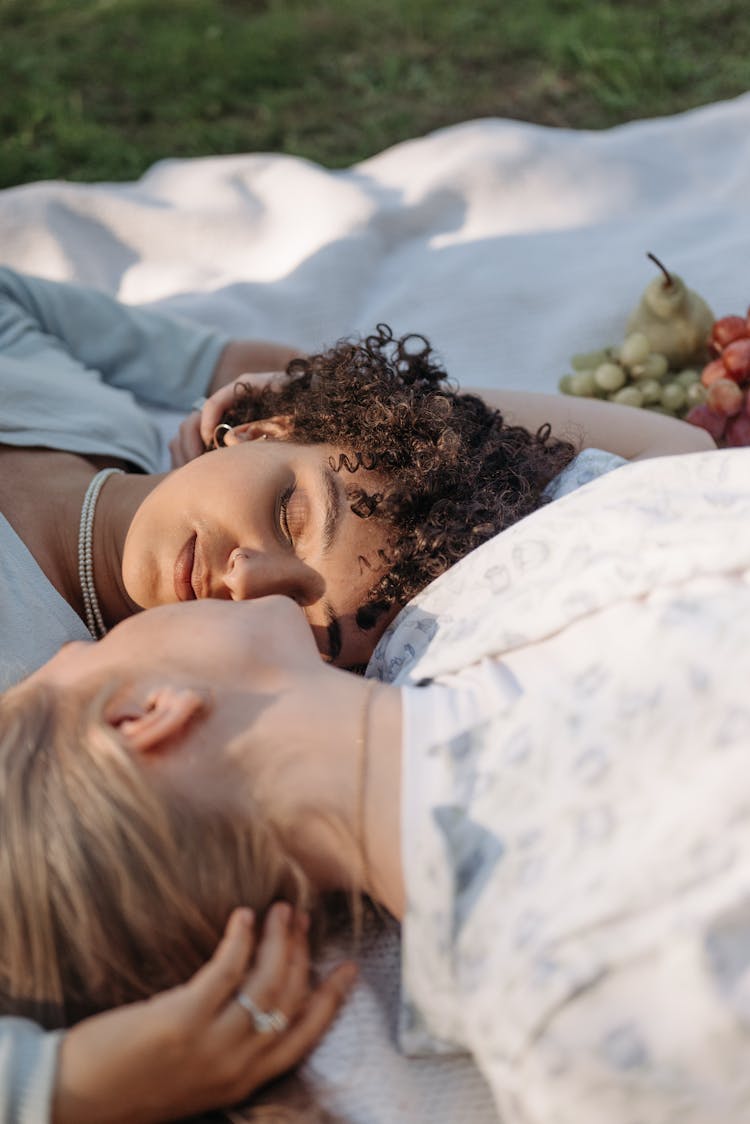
<point>250,357</point>
<point>196,432</point>
<point>242,361</point>
<point>195,1048</point>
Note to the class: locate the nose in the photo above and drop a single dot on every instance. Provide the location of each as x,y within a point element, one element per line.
<point>251,573</point>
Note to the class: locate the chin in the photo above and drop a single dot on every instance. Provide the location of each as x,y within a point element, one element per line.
<point>140,594</point>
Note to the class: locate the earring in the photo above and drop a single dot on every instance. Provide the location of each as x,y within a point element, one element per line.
<point>220,434</point>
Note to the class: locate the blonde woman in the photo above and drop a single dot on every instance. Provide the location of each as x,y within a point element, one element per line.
<point>550,789</point>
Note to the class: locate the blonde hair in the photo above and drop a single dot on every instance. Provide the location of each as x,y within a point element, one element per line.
<point>113,887</point>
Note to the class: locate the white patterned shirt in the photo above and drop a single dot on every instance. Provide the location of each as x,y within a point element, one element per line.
<point>576,833</point>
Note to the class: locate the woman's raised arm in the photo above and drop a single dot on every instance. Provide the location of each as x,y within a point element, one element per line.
<point>165,360</point>
<point>196,1047</point>
<point>628,432</point>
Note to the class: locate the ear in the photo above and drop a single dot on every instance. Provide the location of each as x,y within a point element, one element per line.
<point>155,723</point>
<point>277,428</point>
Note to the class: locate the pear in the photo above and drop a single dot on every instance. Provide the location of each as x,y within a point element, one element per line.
<point>676,320</point>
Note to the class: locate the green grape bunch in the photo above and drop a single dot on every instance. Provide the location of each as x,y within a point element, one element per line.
<point>633,374</point>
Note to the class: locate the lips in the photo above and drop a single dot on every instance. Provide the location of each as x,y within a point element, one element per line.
<point>183,571</point>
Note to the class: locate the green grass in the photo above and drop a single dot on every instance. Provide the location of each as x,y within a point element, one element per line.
<point>99,89</point>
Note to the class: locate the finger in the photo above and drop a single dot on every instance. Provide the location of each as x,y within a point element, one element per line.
<point>182,447</point>
<point>175,453</point>
<point>214,411</point>
<point>290,1048</point>
<point>211,416</point>
<point>191,440</point>
<point>178,455</point>
<point>296,985</point>
<point>188,439</point>
<point>293,987</point>
<point>267,976</point>
<point>220,977</point>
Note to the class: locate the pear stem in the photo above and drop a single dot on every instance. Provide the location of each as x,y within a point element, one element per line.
<point>667,275</point>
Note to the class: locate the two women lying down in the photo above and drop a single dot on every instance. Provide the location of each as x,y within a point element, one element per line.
<point>549,789</point>
<point>346,485</point>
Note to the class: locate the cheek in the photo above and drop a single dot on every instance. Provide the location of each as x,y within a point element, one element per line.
<point>140,556</point>
<point>156,521</point>
<point>197,772</point>
<point>360,644</point>
<point>152,513</point>
<point>129,566</point>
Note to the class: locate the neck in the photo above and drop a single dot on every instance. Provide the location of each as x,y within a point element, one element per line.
<point>119,499</point>
<point>322,759</point>
<point>41,495</point>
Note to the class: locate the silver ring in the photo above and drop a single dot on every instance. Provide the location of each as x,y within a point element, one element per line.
<point>264,1022</point>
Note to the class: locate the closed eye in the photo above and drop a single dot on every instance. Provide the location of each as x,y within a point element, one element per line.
<point>293,513</point>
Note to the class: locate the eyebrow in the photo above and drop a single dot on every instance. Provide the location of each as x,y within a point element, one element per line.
<point>332,517</point>
<point>333,630</point>
<point>331,524</point>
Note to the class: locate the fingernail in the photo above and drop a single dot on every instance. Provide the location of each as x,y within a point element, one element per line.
<point>247,917</point>
<point>283,912</point>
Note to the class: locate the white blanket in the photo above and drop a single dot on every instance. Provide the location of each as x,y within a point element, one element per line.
<point>510,245</point>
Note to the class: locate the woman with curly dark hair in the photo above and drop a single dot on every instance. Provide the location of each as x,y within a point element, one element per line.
<point>439,470</point>
<point>452,472</point>
<point>347,484</point>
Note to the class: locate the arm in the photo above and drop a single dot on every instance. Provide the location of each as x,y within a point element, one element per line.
<point>248,357</point>
<point>78,332</point>
<point>242,362</point>
<point>28,1060</point>
<point>630,433</point>
<point>588,423</point>
<point>182,1052</point>
<point>194,1048</point>
<point>163,360</point>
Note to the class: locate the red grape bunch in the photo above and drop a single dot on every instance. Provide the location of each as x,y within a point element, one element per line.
<point>726,410</point>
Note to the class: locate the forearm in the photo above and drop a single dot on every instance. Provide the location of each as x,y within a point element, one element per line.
<point>247,357</point>
<point>588,423</point>
<point>192,1049</point>
<point>72,330</point>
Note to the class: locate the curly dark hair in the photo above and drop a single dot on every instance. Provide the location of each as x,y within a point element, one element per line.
<point>455,473</point>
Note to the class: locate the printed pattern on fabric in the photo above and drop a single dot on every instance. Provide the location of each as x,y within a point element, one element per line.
<point>578,865</point>
<point>416,625</point>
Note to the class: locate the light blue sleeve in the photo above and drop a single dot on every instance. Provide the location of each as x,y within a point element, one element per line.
<point>588,465</point>
<point>28,1067</point>
<point>70,329</point>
